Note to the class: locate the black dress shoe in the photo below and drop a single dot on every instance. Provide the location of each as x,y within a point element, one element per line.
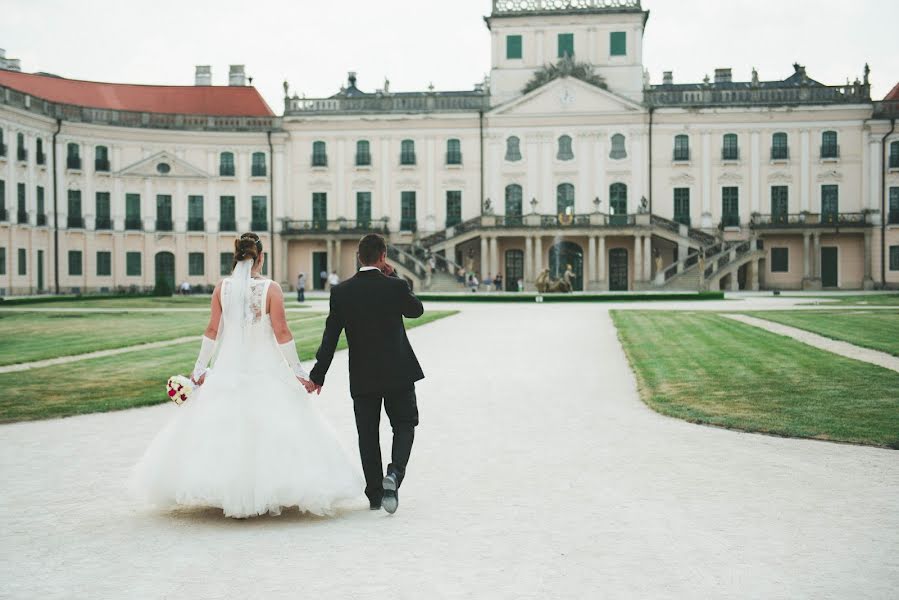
<point>391,498</point>
<point>374,505</point>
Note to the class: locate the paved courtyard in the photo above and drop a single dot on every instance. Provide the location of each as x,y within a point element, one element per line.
<point>537,473</point>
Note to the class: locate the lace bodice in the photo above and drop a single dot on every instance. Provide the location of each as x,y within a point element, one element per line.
<point>256,300</point>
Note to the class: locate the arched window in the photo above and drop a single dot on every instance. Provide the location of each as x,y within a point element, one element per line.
<point>513,204</point>
<point>829,146</point>
<point>226,164</point>
<point>729,148</point>
<point>565,151</point>
<point>779,148</point>
<point>101,158</point>
<point>319,154</point>
<point>453,152</point>
<point>513,148</point>
<point>73,156</point>
<point>407,152</point>
<point>565,199</point>
<point>618,203</point>
<point>681,147</point>
<point>363,153</point>
<point>257,166</point>
<point>894,155</point>
<point>618,152</point>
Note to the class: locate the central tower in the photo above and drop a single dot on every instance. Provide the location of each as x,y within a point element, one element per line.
<point>527,35</point>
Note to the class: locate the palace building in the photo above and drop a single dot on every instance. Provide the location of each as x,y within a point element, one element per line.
<point>565,156</point>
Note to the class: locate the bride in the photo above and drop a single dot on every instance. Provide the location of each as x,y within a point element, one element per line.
<point>248,440</point>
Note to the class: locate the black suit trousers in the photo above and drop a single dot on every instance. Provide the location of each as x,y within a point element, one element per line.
<point>402,410</point>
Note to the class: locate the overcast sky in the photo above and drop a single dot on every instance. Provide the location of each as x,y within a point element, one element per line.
<point>313,43</point>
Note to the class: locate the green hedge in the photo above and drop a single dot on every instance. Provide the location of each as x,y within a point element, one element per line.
<point>69,298</point>
<point>501,297</point>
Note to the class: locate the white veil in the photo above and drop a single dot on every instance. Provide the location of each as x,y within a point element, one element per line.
<point>236,315</point>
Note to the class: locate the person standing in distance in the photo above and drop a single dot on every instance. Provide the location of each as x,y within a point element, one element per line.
<point>370,306</point>
<point>301,287</point>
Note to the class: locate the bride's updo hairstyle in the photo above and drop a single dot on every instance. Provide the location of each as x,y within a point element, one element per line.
<point>246,247</point>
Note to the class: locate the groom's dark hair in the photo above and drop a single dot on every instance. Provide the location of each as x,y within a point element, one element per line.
<point>371,247</point>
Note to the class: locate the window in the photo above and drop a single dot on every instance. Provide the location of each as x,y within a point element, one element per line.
<point>104,218</point>
<point>104,263</point>
<point>513,47</point>
<point>407,152</point>
<point>319,210</point>
<point>565,199</point>
<point>363,210</point>
<point>22,205</point>
<point>514,198</point>
<point>132,212</point>
<point>893,212</point>
<point>617,152</point>
<point>23,261</point>
<point>41,157</point>
<point>163,212</point>
<point>779,148</point>
<point>3,215</point>
<point>682,205</point>
<point>894,155</point>
<point>566,44</point>
<point>730,207</point>
<point>829,147</point>
<point>75,220</point>
<point>195,264</point>
<point>565,151</point>
<point>780,260</point>
<point>830,203</point>
<point>227,214</point>
<point>363,153</point>
<point>319,154</point>
<point>257,168</point>
<point>75,262</point>
<point>41,214</point>
<point>453,152</point>
<point>73,156</point>
<point>618,43</point>
<point>681,147</point>
<point>407,211</point>
<point>729,148</point>
<point>226,164</point>
<point>21,149</point>
<point>2,261</point>
<point>101,159</point>
<point>2,145</point>
<point>894,258</point>
<point>260,213</point>
<point>453,208</point>
<point>513,150</point>
<point>132,264</point>
<point>225,261</point>
<point>618,203</point>
<point>780,203</point>
<point>195,221</point>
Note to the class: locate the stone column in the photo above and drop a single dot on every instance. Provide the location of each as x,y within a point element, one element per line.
<point>538,255</point>
<point>868,282</point>
<point>734,281</point>
<point>647,258</point>
<point>591,262</point>
<point>528,260</point>
<point>806,269</point>
<point>494,256</point>
<point>804,162</point>
<point>754,283</point>
<point>601,262</point>
<point>706,213</point>
<point>485,258</point>
<point>816,257</point>
<point>638,258</point>
<point>337,256</point>
<point>754,179</point>
<point>876,154</point>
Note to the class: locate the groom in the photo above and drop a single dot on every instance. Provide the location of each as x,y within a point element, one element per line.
<point>371,306</point>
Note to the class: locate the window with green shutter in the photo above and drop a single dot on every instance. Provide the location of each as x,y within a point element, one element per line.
<point>132,264</point>
<point>514,197</point>
<point>319,154</point>
<point>3,215</point>
<point>566,44</point>
<point>407,152</point>
<point>225,261</point>
<point>513,46</point>
<point>101,159</point>
<point>260,213</point>
<point>618,43</point>
<point>2,260</point>
<point>780,260</point>
<point>513,148</point>
<point>195,263</point>
<point>23,261</point>
<point>195,219</point>
<point>319,210</point>
<point>363,209</point>
<point>41,213</point>
<point>779,148</point>
<point>730,207</point>
<point>363,153</point>
<point>22,204</point>
<point>227,214</point>
<point>226,164</point>
<point>408,212</point>
<point>453,208</point>
<point>104,263</point>
<point>75,220</point>
<point>453,152</point>
<point>132,212</point>
<point>729,148</point>
<point>164,212</point>
<point>104,215</point>
<point>894,258</point>
<point>893,212</point>
<point>75,262</point>
<point>565,199</point>
<point>780,203</point>
<point>830,203</point>
<point>682,205</point>
<point>258,168</point>
<point>565,152</point>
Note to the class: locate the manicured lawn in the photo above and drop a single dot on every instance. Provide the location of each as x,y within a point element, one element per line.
<point>140,302</point>
<point>131,379</point>
<point>885,299</point>
<point>876,329</point>
<point>705,368</point>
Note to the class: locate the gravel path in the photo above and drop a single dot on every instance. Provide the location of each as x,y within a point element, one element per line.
<point>881,359</point>
<point>537,473</point>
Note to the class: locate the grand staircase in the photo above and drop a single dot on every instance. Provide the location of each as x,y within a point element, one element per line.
<point>704,269</point>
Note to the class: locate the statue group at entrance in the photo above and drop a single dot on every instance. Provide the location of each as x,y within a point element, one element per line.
<point>547,285</point>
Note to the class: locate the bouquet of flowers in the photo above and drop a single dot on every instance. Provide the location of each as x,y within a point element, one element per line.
<point>179,388</point>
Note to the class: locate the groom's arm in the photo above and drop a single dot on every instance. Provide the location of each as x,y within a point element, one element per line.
<point>410,305</point>
<point>324,356</point>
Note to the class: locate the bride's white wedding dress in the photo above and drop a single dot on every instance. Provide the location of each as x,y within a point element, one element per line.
<point>249,440</point>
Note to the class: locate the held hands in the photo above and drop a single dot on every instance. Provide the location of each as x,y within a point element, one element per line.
<point>310,386</point>
<point>198,380</point>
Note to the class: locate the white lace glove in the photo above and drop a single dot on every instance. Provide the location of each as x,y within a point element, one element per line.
<point>206,350</point>
<point>289,352</point>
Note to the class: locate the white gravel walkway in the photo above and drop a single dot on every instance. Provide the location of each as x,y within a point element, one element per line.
<point>537,473</point>
<point>881,359</point>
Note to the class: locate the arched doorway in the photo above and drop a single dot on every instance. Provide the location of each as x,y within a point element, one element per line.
<point>514,269</point>
<point>165,273</point>
<point>563,254</point>
<point>618,270</point>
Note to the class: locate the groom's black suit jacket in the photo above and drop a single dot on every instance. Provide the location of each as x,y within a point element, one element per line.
<point>371,307</point>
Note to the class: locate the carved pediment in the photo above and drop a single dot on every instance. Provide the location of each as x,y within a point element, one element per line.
<point>831,175</point>
<point>682,179</point>
<point>568,95</point>
<point>780,176</point>
<point>730,178</point>
<point>164,165</point>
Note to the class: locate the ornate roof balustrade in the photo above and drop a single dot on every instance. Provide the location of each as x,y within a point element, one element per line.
<point>760,94</point>
<point>121,118</point>
<point>529,7</point>
<point>390,103</point>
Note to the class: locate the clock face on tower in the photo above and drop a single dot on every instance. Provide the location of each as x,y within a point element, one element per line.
<point>566,96</point>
